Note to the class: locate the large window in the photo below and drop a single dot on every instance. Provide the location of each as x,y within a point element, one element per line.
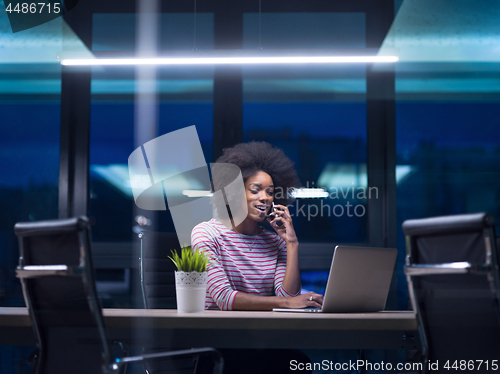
<point>177,97</point>
<point>112,142</point>
<point>29,159</point>
<point>30,86</point>
<point>448,147</point>
<point>183,97</point>
<point>317,115</point>
<point>447,119</point>
<point>29,145</point>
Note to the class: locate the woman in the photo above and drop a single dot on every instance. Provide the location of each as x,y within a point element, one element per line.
<point>253,268</point>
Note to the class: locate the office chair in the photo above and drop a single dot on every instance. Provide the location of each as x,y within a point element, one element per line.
<point>55,268</point>
<point>158,287</point>
<point>157,270</point>
<point>453,280</point>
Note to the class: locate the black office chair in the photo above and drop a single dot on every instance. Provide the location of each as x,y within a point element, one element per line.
<point>453,280</point>
<point>158,288</point>
<point>55,267</point>
<point>157,270</point>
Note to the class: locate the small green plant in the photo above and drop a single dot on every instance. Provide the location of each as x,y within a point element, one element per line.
<point>189,260</point>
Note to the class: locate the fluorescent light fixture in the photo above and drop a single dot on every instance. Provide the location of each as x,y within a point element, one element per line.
<point>458,265</point>
<point>46,267</point>
<point>307,193</point>
<point>196,193</point>
<point>237,57</point>
<point>230,60</point>
<point>301,193</point>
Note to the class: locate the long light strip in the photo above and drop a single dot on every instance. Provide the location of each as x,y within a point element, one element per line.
<point>301,193</point>
<point>231,60</point>
<point>307,193</point>
<point>197,193</point>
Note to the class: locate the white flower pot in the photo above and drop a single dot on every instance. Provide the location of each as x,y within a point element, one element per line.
<point>190,289</point>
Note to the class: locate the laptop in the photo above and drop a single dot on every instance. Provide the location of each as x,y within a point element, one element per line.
<point>359,281</point>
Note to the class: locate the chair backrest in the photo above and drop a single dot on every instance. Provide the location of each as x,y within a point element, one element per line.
<point>457,304</point>
<point>157,270</point>
<point>55,268</point>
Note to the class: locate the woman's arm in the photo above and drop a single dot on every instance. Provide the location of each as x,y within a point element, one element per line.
<point>204,239</point>
<point>291,280</point>
<point>245,301</point>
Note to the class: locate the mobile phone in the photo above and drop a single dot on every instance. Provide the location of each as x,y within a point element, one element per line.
<point>271,213</point>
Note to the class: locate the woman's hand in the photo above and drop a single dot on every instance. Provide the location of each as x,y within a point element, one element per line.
<point>285,230</point>
<point>245,301</point>
<point>306,300</point>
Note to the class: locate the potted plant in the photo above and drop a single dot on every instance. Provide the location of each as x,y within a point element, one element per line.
<point>190,280</point>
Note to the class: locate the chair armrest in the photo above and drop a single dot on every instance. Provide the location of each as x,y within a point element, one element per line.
<point>443,269</point>
<point>215,354</point>
<point>36,271</point>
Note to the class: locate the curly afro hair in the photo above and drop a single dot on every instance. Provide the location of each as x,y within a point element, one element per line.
<point>261,156</point>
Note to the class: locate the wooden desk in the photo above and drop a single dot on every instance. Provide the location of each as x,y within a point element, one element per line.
<point>224,329</point>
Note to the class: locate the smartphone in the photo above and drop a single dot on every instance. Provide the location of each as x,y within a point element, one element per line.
<point>272,215</point>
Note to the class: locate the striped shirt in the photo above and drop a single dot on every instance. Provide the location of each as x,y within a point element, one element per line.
<point>251,264</point>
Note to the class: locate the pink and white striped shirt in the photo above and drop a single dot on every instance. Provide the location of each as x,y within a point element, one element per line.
<point>251,264</point>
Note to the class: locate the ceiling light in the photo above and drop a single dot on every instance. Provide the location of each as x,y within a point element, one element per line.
<point>231,60</point>
<point>196,193</point>
<point>307,193</point>
<point>239,57</point>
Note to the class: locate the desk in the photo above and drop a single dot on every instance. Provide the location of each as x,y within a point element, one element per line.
<point>235,329</point>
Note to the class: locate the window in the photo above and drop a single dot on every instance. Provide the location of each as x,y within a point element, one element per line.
<point>316,114</point>
<point>447,95</point>
<point>183,98</point>
<point>30,84</point>
<point>30,87</point>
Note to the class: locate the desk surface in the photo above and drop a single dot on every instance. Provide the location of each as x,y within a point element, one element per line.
<point>244,329</point>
